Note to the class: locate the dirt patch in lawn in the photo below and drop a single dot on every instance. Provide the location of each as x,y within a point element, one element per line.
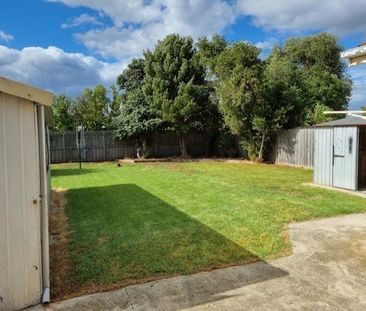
<point>60,263</point>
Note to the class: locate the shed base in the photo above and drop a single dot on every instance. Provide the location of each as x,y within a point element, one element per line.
<point>361,193</point>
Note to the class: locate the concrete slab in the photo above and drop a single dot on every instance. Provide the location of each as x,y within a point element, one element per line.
<point>361,193</point>
<point>327,271</point>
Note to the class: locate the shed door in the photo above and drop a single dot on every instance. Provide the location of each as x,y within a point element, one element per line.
<point>20,241</point>
<point>345,146</point>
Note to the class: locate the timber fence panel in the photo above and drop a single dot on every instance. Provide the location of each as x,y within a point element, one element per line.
<point>295,147</point>
<point>101,146</point>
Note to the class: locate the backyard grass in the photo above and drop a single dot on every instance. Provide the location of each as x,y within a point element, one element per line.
<point>144,221</point>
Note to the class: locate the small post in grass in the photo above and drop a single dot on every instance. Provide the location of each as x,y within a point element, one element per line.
<point>80,140</point>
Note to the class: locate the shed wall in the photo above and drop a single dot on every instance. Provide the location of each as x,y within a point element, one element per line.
<point>20,241</point>
<point>323,156</point>
<point>345,166</point>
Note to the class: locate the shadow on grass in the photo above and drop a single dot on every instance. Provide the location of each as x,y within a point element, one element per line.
<point>55,172</point>
<point>122,234</point>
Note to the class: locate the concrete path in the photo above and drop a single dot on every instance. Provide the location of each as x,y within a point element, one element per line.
<point>327,271</point>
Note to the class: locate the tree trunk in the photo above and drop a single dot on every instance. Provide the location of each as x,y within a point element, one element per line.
<point>138,151</point>
<point>144,148</point>
<point>261,150</point>
<point>183,146</point>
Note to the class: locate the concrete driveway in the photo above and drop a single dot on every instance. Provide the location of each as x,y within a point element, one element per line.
<point>327,271</point>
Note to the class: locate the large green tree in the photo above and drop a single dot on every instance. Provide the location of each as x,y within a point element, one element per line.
<point>240,92</point>
<point>137,119</point>
<point>325,81</point>
<point>175,85</point>
<point>115,104</point>
<point>293,87</point>
<point>92,109</point>
<point>208,53</point>
<point>133,76</point>
<point>63,117</point>
<point>281,104</point>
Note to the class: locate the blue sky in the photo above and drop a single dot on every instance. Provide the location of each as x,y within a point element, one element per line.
<point>67,45</point>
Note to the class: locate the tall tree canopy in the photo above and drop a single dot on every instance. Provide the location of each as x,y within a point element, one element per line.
<point>133,76</point>
<point>324,74</point>
<point>240,92</point>
<point>175,85</point>
<point>208,52</point>
<point>92,109</point>
<point>212,85</point>
<point>137,119</point>
<point>63,118</point>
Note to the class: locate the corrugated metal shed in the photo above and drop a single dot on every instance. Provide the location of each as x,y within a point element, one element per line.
<point>23,195</point>
<point>338,153</point>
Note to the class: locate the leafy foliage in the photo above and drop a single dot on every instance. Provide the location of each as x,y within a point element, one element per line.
<point>323,73</point>
<point>115,104</point>
<point>136,119</point>
<point>133,76</point>
<point>317,115</point>
<point>208,52</point>
<point>292,88</point>
<point>241,94</point>
<point>175,85</point>
<point>92,108</point>
<point>213,86</point>
<point>63,118</point>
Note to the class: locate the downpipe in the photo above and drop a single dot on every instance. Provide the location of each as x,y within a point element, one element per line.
<point>44,206</point>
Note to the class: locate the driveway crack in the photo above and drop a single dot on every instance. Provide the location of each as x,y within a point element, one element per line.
<point>129,299</point>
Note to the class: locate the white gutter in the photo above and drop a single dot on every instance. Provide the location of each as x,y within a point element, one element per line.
<point>348,112</point>
<point>355,56</point>
<point>44,205</point>
<point>355,52</point>
<point>356,114</point>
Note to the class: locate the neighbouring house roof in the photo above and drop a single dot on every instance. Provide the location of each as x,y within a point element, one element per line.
<point>26,91</point>
<point>350,120</point>
<point>356,55</point>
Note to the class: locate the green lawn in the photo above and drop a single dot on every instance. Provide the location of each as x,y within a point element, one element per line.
<point>144,221</point>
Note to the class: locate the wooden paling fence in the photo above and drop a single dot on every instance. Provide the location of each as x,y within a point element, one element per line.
<point>100,146</point>
<point>293,147</point>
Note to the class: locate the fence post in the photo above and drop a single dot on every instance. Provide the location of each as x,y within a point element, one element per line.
<point>63,147</point>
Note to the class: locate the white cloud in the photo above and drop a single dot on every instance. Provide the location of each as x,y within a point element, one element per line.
<point>122,11</point>
<point>83,19</point>
<point>358,76</point>
<point>57,70</point>
<point>5,36</point>
<point>138,24</point>
<point>339,16</point>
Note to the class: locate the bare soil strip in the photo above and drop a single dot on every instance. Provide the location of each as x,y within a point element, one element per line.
<point>60,263</point>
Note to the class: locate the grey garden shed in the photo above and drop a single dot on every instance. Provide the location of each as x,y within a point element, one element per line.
<point>24,195</point>
<point>340,153</point>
